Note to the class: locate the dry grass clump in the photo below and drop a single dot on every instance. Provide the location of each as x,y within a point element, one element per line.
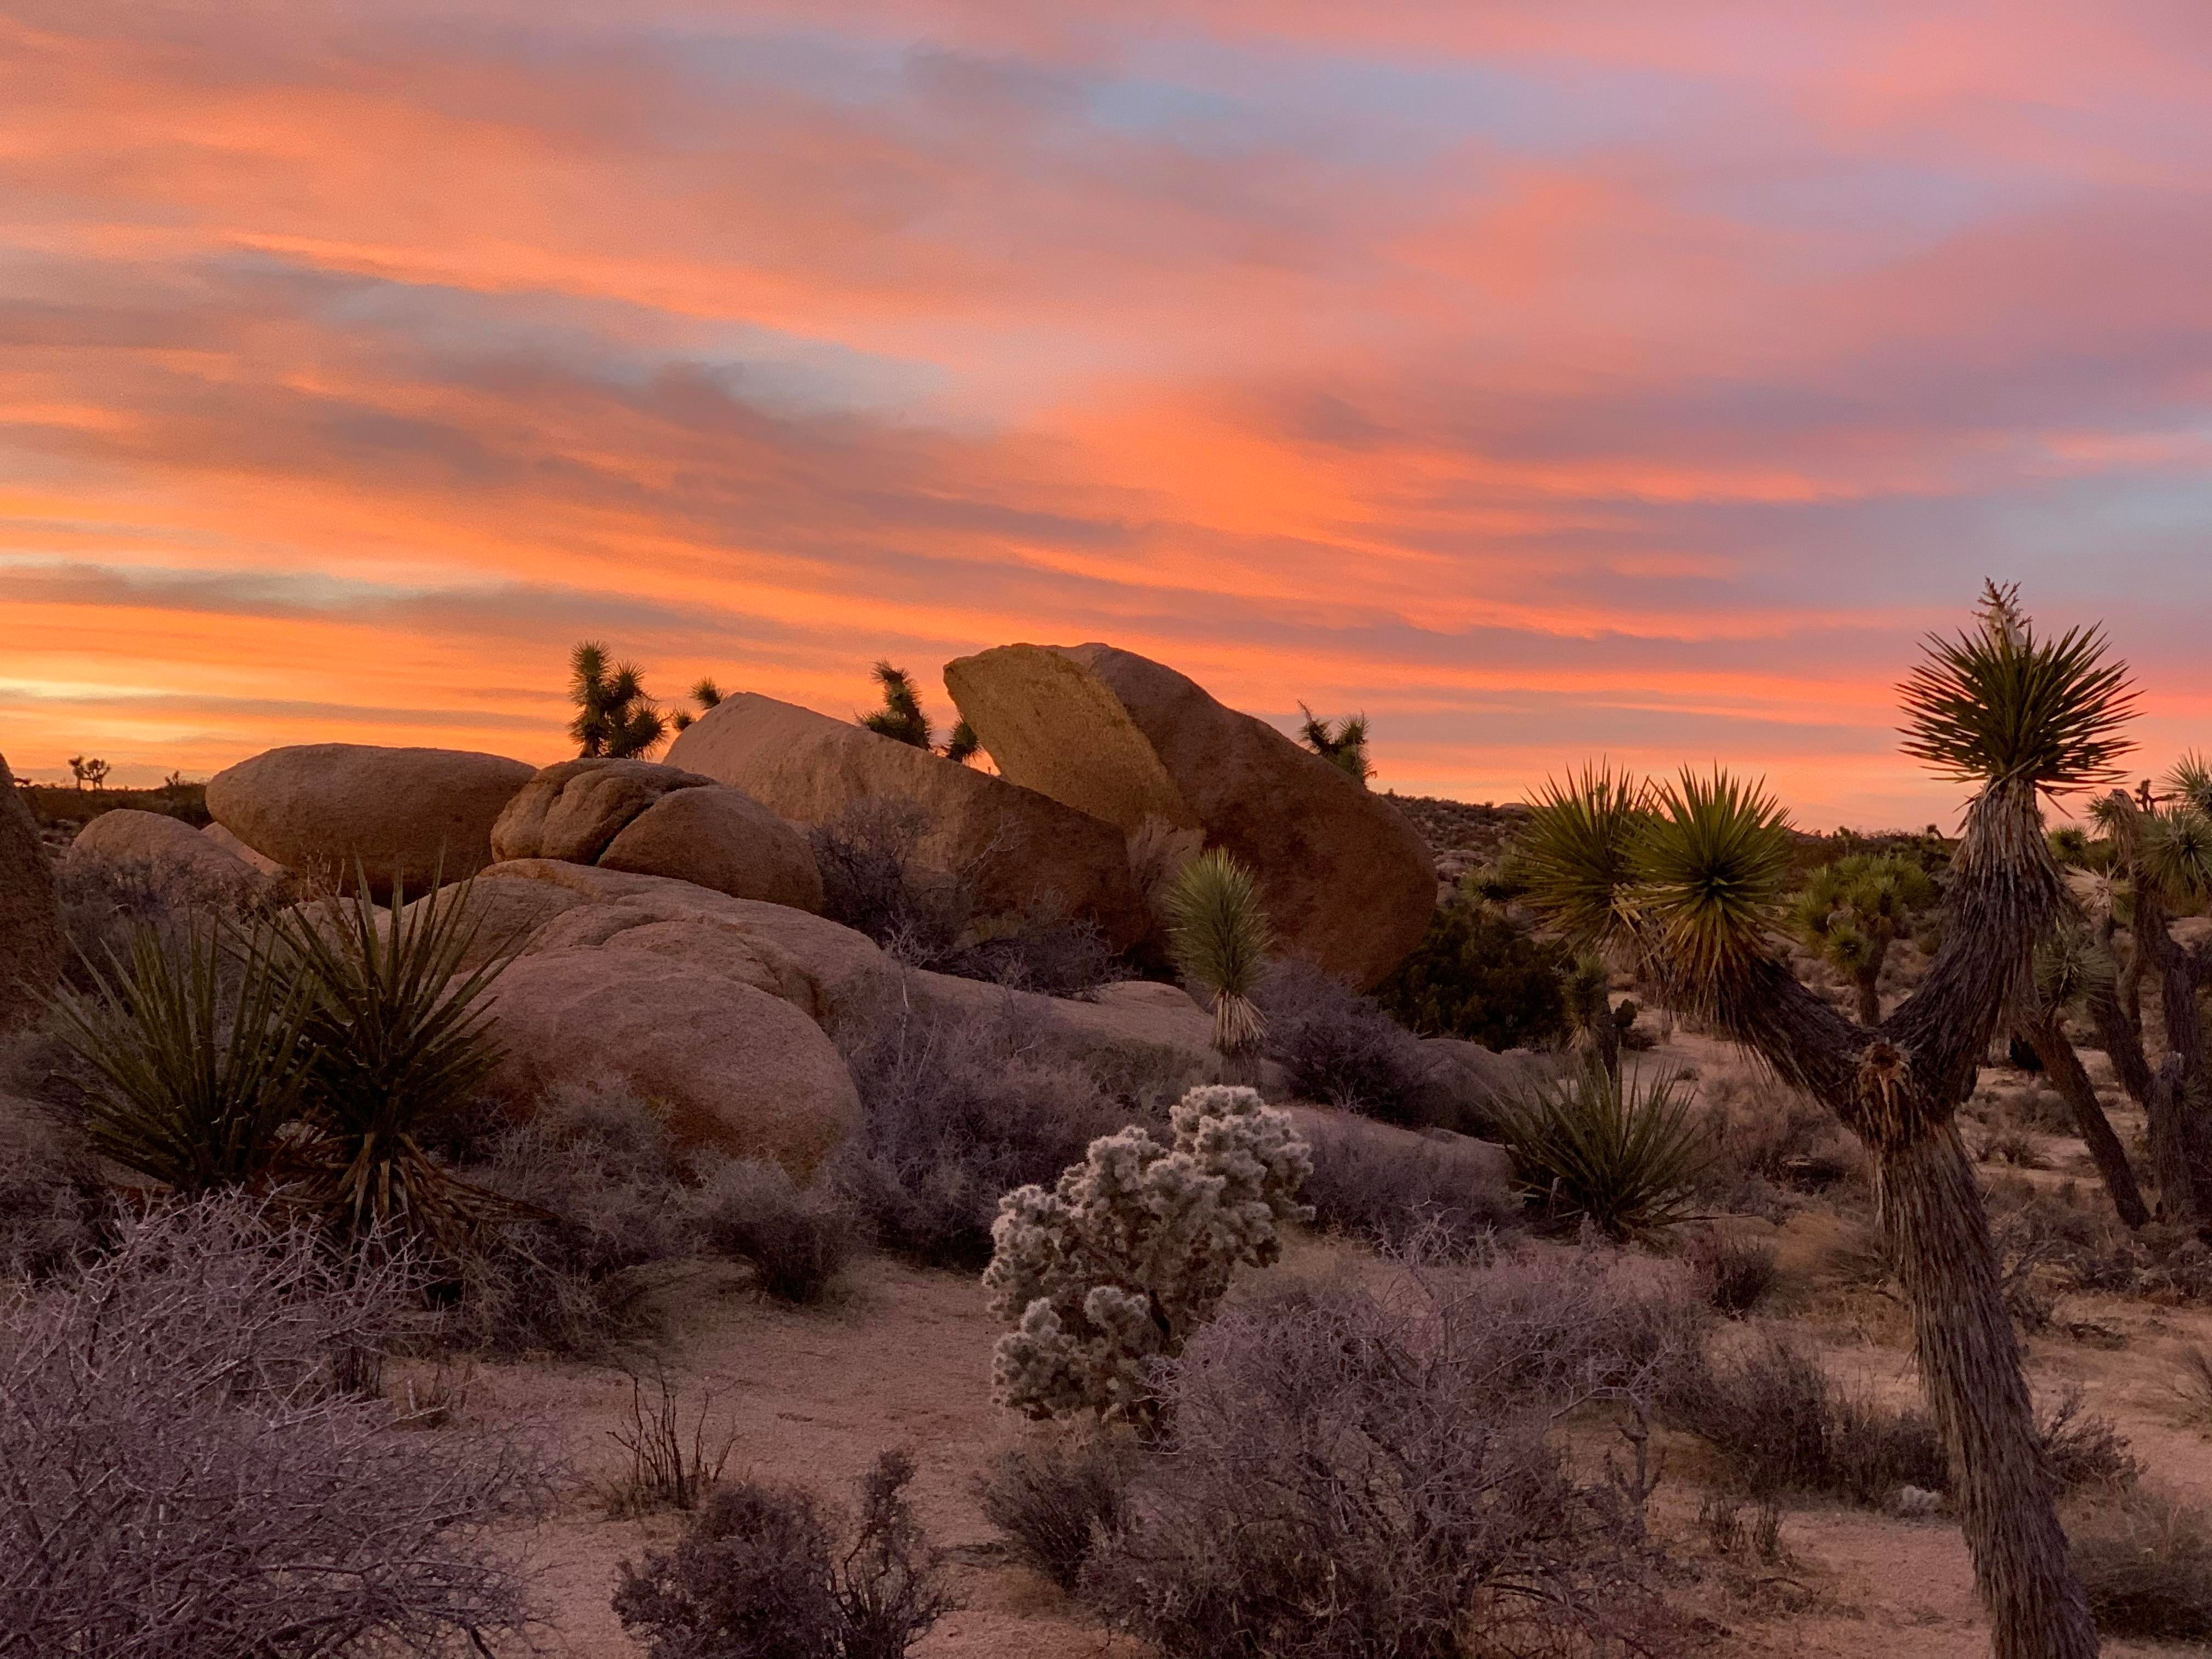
<point>1769,1146</point>
<point>1396,1446</point>
<point>1736,1273</point>
<point>960,1109</point>
<point>53,1207</point>
<point>185,1415</point>
<point>2146,1564</point>
<point>1058,1497</point>
<point>799,1239</point>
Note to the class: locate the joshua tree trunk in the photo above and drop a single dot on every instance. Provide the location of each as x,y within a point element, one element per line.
<point>2064,1067</point>
<point>2180,1156</point>
<point>1969,1361</point>
<point>1898,1087</point>
<point>1869,979</point>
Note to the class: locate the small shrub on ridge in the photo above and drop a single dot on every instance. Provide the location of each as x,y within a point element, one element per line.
<point>1057,1500</point>
<point>797,1238</point>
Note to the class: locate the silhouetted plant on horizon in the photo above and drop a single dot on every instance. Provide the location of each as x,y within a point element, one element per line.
<point>1343,745</point>
<point>902,718</point>
<point>614,715</point>
<point>707,694</point>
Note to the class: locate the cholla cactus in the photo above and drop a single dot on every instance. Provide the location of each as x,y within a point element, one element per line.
<point>1131,1250</point>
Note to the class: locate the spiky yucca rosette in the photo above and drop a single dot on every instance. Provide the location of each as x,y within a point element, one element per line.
<point>1219,937</point>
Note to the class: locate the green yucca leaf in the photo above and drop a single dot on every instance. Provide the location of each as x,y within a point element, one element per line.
<point>2071,964</point>
<point>2191,780</point>
<point>403,1038</point>
<point>1713,866</point>
<point>1622,1152</point>
<point>1998,704</point>
<point>2175,846</point>
<point>195,1080</point>
<point>1575,857</point>
<point>1219,937</point>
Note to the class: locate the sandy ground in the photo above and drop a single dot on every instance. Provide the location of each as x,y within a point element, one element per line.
<point>813,1395</point>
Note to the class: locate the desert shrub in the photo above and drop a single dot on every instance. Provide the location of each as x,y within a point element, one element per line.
<point>2192,1385</point>
<point>180,1416</point>
<point>1783,1425</point>
<point>1056,1498</point>
<point>198,1051</point>
<point>1768,1142</point>
<point>1370,1473</point>
<point>1735,1273</point>
<point>1386,1189</point>
<point>1045,951</point>
<point>797,1238</point>
<point>1480,973</point>
<point>2008,1142</point>
<point>106,902</point>
<point>768,1572</point>
<point>2085,1451</point>
<point>669,1469</point>
<point>612,1194</point>
<point>1340,1048</point>
<point>53,1206</point>
<point>1621,1153</point>
<point>1131,1250</point>
<point>958,1110</point>
<point>2042,1108</point>
<point>2147,1564</point>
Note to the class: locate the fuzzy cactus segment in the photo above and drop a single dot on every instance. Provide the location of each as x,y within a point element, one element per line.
<point>1132,1248</point>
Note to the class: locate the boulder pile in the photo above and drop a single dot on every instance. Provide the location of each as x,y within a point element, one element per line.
<point>665,917</point>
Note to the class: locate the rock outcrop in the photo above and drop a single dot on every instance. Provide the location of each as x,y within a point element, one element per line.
<point>31,944</point>
<point>1348,881</point>
<point>1019,850</point>
<point>655,820</point>
<point>169,848</point>
<point>418,814</point>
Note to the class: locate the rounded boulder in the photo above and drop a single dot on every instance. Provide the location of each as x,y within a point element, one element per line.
<point>736,1069</point>
<point>574,810</point>
<point>722,839</point>
<point>177,854</point>
<point>413,815</point>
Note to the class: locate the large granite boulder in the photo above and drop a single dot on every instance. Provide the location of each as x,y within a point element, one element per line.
<point>736,1068</point>
<point>31,944</point>
<point>1348,881</point>
<point>657,820</point>
<point>1021,851</point>
<point>538,906</point>
<point>192,865</point>
<point>420,814</point>
<point>237,848</point>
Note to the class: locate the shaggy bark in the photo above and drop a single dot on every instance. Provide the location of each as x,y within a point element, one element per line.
<point>1898,1087</point>
<point>2181,1148</point>
<point>2064,1067</point>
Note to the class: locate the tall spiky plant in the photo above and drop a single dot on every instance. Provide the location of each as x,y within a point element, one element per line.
<point>199,1051</point>
<point>403,1038</point>
<point>1219,937</point>
<point>1573,863</point>
<point>614,716</point>
<point>1343,745</point>
<point>2074,969</point>
<point>900,719</point>
<point>1852,910</point>
<point>2017,716</point>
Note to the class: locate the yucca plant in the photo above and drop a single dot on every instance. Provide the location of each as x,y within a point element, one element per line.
<point>200,1052</point>
<point>1219,937</point>
<point>401,1037</point>
<point>903,720</point>
<point>1852,910</point>
<point>2018,716</point>
<point>707,694</point>
<point>1573,864</point>
<point>1623,1154</point>
<point>614,715</point>
<point>1343,745</point>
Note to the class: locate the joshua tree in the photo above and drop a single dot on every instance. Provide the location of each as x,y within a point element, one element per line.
<point>93,772</point>
<point>707,694</point>
<point>1854,909</point>
<point>1574,864</point>
<point>1701,887</point>
<point>902,718</point>
<point>2073,969</point>
<point>1343,745</point>
<point>1219,938</point>
<point>614,716</point>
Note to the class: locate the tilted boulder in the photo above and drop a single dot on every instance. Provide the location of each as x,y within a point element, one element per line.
<point>320,808</point>
<point>31,943</point>
<point>237,848</point>
<point>735,1067</point>
<point>1348,882</point>
<point>195,867</point>
<point>655,820</point>
<point>1021,850</point>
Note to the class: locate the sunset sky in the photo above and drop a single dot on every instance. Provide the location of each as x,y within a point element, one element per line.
<point>1546,379</point>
